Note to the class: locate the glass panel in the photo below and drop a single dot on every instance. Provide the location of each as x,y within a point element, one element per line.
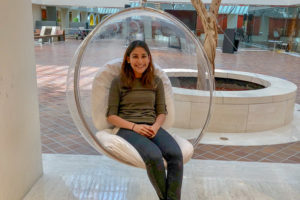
<point>274,28</point>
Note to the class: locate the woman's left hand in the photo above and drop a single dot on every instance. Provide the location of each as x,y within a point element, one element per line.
<point>154,129</point>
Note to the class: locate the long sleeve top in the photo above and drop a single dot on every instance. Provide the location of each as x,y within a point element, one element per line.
<point>138,104</point>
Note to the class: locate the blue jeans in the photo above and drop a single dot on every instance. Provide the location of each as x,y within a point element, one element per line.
<point>153,151</point>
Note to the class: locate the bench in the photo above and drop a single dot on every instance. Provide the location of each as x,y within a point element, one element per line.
<point>60,35</point>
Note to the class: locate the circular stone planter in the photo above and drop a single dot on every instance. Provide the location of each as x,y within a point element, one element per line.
<point>235,111</point>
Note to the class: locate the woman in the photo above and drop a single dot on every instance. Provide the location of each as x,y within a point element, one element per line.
<point>137,105</point>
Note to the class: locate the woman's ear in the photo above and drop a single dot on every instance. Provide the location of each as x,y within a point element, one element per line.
<point>128,59</point>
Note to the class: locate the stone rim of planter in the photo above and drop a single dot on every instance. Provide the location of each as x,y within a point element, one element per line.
<point>277,93</point>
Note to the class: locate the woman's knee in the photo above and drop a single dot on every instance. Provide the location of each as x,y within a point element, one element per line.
<point>175,161</point>
<point>175,157</point>
<point>153,157</point>
<point>175,152</point>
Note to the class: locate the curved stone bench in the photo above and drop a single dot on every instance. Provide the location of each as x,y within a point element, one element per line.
<point>236,111</point>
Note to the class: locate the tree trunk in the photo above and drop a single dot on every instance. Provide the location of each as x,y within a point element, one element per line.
<point>209,22</point>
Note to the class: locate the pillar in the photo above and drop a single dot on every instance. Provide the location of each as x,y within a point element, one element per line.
<point>148,28</point>
<point>125,29</point>
<point>36,14</point>
<point>65,21</point>
<point>84,16</point>
<point>264,28</point>
<point>20,146</point>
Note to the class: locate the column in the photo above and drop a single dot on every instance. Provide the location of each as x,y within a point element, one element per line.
<point>84,16</point>
<point>125,29</point>
<point>65,21</point>
<point>20,145</point>
<point>264,28</point>
<point>148,29</point>
<point>36,14</point>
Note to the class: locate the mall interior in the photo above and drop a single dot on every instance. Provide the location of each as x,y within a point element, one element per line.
<point>246,139</point>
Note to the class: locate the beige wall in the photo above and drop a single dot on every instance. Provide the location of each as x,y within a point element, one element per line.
<point>20,148</point>
<point>36,13</point>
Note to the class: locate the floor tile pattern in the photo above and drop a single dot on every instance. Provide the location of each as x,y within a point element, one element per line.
<point>59,134</point>
<point>81,177</point>
<point>280,153</point>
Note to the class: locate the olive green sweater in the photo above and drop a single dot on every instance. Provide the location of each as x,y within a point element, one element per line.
<point>138,104</point>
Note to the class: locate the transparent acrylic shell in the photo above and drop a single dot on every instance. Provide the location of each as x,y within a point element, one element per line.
<point>173,47</point>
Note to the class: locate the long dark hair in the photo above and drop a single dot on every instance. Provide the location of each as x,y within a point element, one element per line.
<point>127,74</point>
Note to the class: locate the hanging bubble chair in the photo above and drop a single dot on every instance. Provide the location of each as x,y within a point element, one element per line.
<point>98,60</point>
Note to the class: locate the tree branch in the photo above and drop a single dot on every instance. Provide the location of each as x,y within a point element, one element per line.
<point>201,11</point>
<point>214,7</point>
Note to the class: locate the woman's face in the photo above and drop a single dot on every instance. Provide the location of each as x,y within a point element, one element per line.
<point>139,61</point>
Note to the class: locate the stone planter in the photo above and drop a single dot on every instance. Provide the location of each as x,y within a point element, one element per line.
<point>235,111</point>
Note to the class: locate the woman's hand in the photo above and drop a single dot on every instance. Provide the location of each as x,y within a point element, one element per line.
<point>145,130</point>
<point>154,129</point>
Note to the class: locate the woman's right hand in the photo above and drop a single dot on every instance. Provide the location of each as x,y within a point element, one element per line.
<point>144,129</point>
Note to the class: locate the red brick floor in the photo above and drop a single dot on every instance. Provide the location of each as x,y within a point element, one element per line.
<point>59,134</point>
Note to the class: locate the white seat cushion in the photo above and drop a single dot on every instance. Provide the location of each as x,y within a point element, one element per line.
<point>124,151</point>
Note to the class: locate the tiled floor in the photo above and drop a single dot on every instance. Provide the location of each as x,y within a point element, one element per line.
<point>81,177</point>
<point>281,153</point>
<point>59,134</point>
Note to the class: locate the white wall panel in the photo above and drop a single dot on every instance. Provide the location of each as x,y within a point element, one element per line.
<point>20,145</point>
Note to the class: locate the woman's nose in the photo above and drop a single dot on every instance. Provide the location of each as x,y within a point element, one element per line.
<point>140,60</point>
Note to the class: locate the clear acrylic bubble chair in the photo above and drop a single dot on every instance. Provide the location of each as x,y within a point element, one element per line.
<point>98,60</point>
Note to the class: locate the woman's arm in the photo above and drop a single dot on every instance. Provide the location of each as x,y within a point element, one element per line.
<point>158,122</point>
<point>160,107</point>
<point>120,122</point>
<point>142,129</point>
